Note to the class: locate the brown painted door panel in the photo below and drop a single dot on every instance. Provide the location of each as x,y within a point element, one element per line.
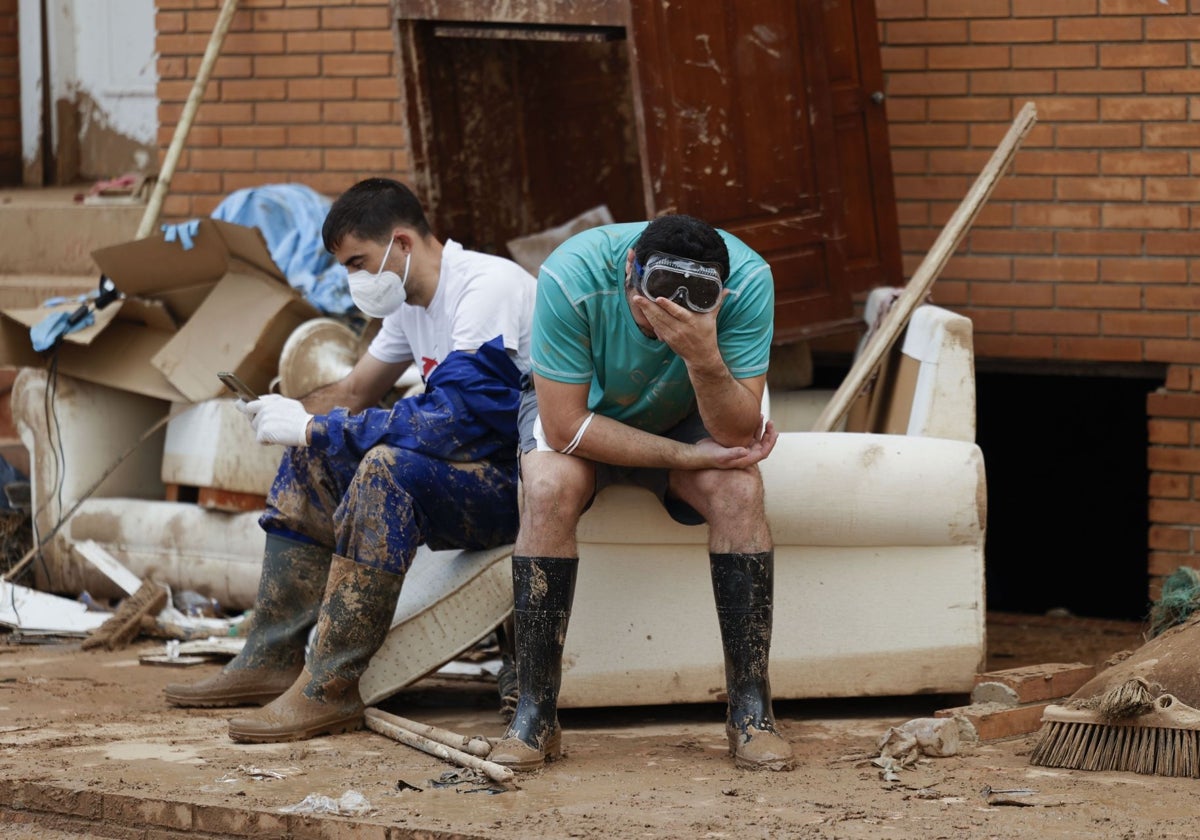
<point>757,116</point>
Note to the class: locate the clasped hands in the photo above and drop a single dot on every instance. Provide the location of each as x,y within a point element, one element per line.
<point>277,419</point>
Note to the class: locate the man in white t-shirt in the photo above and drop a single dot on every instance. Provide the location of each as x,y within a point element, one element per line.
<point>360,487</point>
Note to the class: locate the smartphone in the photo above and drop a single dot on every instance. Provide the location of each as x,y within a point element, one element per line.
<point>237,386</point>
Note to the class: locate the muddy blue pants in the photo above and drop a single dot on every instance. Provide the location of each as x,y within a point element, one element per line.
<point>376,510</point>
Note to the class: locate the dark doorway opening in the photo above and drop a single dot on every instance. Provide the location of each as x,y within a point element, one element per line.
<point>1067,492</point>
<point>1068,488</point>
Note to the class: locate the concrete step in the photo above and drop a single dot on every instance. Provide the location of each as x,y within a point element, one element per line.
<point>46,231</point>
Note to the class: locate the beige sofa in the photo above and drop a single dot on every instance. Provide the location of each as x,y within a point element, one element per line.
<point>879,557</point>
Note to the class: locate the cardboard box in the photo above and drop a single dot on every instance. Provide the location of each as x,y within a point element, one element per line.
<point>185,315</point>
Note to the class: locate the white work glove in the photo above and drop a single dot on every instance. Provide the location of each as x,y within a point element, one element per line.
<point>277,419</point>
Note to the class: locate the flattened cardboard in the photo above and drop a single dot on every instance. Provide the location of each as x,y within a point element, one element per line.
<point>221,305</point>
<point>255,316</point>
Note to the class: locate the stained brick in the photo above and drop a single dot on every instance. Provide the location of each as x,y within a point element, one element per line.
<point>928,136</point>
<point>1172,243</point>
<point>929,84</point>
<point>1068,108</point>
<point>1099,29</point>
<point>967,8</point>
<point>979,268</point>
<point>1011,294</point>
<point>319,42</point>
<point>1014,346</point>
<point>1054,322</point>
<point>1059,8</point>
<point>320,89</point>
<point>1182,28</point>
<point>957,109</point>
<point>1144,271</point>
<point>1185,352</point>
<point>1057,163</point>
<point>1012,82</point>
<point>1098,242</point>
<point>1099,189</point>
<point>1143,108</point>
<point>1011,241</point>
<point>1058,215</point>
<point>1144,163</point>
<point>1104,81</point>
<point>1011,31</point>
<point>1100,136</point>
<point>1059,270</point>
<point>1112,350</point>
<point>899,9</point>
<point>927,32</point>
<point>895,59</point>
<point>1143,55</point>
<point>1170,511</point>
<point>1186,136</point>
<point>1163,565</point>
<point>1047,56</point>
<point>1133,323</point>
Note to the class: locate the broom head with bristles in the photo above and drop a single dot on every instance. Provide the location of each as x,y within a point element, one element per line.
<point>1127,728</point>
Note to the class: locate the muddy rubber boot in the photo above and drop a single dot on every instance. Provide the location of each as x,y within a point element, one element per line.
<point>355,616</point>
<point>743,585</point>
<point>506,678</point>
<point>543,589</point>
<point>289,595</point>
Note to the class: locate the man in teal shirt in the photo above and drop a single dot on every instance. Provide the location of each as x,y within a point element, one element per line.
<point>649,352</point>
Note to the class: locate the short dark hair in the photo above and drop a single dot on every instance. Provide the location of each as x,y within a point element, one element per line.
<point>683,236</point>
<point>370,210</point>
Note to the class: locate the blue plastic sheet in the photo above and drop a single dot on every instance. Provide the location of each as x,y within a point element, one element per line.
<point>290,218</point>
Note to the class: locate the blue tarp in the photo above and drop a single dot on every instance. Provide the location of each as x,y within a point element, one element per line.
<point>290,218</point>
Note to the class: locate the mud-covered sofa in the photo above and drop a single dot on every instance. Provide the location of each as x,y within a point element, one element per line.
<point>879,540</point>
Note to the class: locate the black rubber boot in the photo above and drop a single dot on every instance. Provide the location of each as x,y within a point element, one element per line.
<point>506,678</point>
<point>543,590</point>
<point>743,585</point>
<point>355,617</point>
<point>289,595</point>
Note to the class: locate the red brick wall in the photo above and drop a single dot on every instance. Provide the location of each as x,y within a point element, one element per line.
<point>1083,253</point>
<point>10,96</point>
<point>304,91</point>
<point>1087,251</point>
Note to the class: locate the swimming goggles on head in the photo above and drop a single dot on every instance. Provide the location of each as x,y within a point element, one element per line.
<point>696,285</point>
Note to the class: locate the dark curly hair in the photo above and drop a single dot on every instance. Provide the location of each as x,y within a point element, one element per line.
<point>683,236</point>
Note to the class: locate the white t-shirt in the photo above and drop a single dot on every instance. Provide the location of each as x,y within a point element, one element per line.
<point>478,297</point>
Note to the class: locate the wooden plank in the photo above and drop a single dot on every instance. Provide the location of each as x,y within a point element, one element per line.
<point>929,270</point>
<point>214,498</point>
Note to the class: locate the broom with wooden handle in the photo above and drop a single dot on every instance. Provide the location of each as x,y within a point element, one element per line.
<point>1164,740</point>
<point>1140,714</point>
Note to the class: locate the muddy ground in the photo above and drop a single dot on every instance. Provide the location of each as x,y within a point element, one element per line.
<point>88,748</point>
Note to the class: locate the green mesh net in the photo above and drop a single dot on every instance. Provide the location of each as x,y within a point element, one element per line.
<point>1180,598</point>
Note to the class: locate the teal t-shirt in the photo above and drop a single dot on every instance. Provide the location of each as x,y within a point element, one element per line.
<point>584,332</point>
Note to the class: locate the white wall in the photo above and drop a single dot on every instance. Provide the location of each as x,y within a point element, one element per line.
<point>102,57</point>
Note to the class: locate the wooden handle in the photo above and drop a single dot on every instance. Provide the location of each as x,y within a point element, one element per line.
<point>385,724</point>
<point>943,248</point>
<point>167,172</point>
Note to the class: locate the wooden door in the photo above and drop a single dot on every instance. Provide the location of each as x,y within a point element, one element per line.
<point>762,118</point>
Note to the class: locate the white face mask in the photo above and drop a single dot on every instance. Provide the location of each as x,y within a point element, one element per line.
<point>379,295</point>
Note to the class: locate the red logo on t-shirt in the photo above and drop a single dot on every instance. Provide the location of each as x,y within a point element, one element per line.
<point>427,365</point>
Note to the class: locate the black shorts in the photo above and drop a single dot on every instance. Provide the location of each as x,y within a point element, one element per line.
<point>655,479</point>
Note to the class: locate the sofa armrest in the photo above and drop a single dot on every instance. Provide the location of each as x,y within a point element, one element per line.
<point>878,579</point>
